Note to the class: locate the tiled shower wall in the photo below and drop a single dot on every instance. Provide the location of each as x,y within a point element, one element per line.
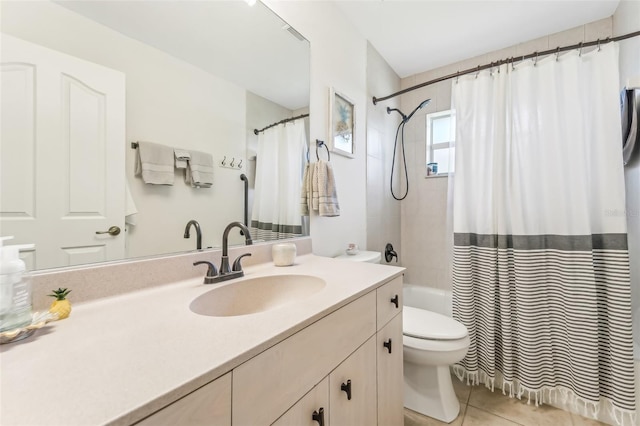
<point>383,212</point>
<point>424,211</point>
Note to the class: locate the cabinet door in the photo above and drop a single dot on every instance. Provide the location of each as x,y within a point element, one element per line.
<point>315,402</point>
<point>210,405</point>
<point>390,378</point>
<point>355,377</point>
<point>389,301</point>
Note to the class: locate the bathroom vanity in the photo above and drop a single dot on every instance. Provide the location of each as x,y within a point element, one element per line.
<point>331,357</point>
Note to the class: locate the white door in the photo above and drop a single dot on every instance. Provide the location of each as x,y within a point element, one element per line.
<point>61,155</point>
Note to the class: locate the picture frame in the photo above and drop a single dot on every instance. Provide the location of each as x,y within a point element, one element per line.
<point>342,124</point>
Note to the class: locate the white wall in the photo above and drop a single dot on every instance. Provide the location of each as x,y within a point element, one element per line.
<point>338,60</point>
<point>169,102</point>
<point>383,212</point>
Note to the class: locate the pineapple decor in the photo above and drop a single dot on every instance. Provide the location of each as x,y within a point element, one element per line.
<point>61,305</point>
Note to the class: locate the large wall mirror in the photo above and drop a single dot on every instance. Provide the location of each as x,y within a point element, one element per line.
<point>83,80</point>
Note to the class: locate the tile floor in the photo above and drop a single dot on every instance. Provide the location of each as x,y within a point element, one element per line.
<point>481,407</point>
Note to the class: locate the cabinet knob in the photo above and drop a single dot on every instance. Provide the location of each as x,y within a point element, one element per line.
<point>394,300</point>
<point>346,387</point>
<point>318,416</point>
<point>387,345</point>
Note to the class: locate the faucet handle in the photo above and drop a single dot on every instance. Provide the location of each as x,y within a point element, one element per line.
<point>211,271</point>
<point>236,263</point>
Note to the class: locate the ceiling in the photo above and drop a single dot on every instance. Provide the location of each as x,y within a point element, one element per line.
<point>415,36</point>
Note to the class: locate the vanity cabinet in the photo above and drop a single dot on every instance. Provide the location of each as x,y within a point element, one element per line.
<point>343,370</point>
<point>208,405</point>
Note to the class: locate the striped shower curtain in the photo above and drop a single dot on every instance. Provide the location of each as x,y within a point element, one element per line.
<point>276,202</point>
<point>540,260</point>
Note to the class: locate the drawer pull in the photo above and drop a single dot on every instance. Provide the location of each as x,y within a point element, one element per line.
<point>387,345</point>
<point>346,387</point>
<point>394,300</point>
<point>318,416</point>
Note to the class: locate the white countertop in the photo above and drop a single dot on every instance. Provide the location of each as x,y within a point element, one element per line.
<point>119,359</point>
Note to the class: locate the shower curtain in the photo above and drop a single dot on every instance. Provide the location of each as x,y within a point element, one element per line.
<point>540,260</point>
<point>276,203</point>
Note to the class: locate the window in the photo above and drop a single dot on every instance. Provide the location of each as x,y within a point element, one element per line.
<point>441,135</point>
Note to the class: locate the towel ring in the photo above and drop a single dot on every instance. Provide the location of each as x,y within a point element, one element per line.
<point>320,143</point>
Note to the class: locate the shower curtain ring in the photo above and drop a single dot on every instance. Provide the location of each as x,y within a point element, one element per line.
<point>457,76</point>
<point>240,164</point>
<point>513,64</point>
<point>478,72</point>
<point>580,49</point>
<point>557,53</point>
<point>224,161</point>
<point>233,162</point>
<point>535,61</point>
<point>598,45</point>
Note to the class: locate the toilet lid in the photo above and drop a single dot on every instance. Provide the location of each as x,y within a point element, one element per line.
<point>424,324</point>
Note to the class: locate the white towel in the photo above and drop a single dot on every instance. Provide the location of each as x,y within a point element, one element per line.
<point>313,178</point>
<point>154,163</point>
<point>327,192</point>
<point>182,157</point>
<point>306,191</point>
<point>199,172</point>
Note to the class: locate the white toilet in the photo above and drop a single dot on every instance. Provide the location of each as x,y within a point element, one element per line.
<point>432,343</point>
<point>362,256</point>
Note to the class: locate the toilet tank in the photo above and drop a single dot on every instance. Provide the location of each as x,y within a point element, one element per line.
<point>362,256</point>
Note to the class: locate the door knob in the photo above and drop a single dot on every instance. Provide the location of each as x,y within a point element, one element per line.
<point>114,230</point>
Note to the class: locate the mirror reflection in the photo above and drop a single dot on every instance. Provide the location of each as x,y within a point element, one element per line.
<point>87,85</point>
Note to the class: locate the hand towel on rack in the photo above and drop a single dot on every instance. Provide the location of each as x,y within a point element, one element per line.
<point>199,172</point>
<point>327,192</point>
<point>154,163</point>
<point>306,191</point>
<point>182,157</point>
<point>313,186</point>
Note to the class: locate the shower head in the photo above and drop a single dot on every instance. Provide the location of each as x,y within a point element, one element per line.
<point>422,104</point>
<point>406,118</point>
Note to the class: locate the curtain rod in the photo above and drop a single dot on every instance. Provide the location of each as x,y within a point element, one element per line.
<point>286,120</point>
<point>506,61</point>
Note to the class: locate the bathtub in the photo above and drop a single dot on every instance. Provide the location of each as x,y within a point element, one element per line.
<point>429,298</point>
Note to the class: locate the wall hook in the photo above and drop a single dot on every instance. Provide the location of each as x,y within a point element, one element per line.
<point>224,161</point>
<point>240,164</point>
<point>233,162</point>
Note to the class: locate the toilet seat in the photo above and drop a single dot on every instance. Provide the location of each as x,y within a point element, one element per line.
<point>423,324</point>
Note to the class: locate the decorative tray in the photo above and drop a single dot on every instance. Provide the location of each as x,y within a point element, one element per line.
<point>38,320</point>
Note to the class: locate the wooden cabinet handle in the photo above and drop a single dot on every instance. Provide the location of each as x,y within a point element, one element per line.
<point>387,345</point>
<point>346,387</point>
<point>318,416</point>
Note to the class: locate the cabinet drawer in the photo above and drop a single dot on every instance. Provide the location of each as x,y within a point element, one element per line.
<point>390,374</point>
<point>386,295</point>
<point>268,384</point>
<point>209,405</point>
<point>301,414</point>
<point>358,373</point>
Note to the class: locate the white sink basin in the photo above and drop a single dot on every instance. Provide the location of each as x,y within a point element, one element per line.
<point>255,295</point>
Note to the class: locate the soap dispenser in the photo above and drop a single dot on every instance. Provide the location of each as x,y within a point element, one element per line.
<point>15,288</point>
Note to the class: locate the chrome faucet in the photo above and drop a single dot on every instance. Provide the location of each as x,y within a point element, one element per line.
<point>198,233</point>
<point>226,272</point>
